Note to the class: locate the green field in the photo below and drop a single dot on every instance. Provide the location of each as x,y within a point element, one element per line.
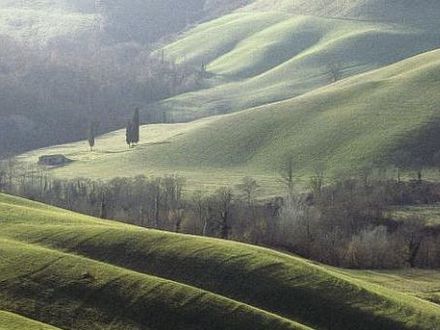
<point>341,128</point>
<point>428,213</point>
<point>269,52</point>
<point>424,284</point>
<point>272,61</point>
<point>268,95</point>
<point>74,271</point>
<point>10,321</point>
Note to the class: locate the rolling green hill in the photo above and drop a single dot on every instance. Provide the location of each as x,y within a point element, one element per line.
<point>340,127</point>
<point>268,52</point>
<point>56,264</point>
<point>75,292</point>
<point>424,12</point>
<point>10,321</point>
<point>424,284</point>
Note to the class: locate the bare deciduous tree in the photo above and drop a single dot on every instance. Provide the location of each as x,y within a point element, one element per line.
<point>224,198</point>
<point>334,71</point>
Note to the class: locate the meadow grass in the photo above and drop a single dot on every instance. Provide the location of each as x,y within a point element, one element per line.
<point>424,284</point>
<point>73,292</point>
<point>10,321</point>
<point>50,251</point>
<point>267,53</point>
<point>340,128</point>
<point>430,214</point>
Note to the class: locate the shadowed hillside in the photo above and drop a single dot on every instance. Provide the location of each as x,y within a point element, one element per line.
<point>139,21</point>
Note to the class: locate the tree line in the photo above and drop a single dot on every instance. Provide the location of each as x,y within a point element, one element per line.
<point>346,223</point>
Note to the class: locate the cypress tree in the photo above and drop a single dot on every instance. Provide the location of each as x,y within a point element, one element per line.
<point>91,135</point>
<point>135,126</point>
<point>129,134</point>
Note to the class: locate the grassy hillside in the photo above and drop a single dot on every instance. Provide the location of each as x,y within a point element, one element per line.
<point>268,52</point>
<point>424,284</point>
<point>49,285</point>
<point>10,321</point>
<point>341,127</point>
<point>162,280</point>
<point>141,21</point>
<point>423,12</point>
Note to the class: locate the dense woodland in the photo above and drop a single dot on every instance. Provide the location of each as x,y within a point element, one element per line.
<point>345,223</point>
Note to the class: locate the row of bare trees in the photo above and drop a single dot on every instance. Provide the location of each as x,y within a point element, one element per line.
<point>347,223</point>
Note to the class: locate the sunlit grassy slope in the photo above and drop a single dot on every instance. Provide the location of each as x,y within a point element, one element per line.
<point>340,127</point>
<point>272,51</point>
<point>10,321</point>
<point>423,12</point>
<point>424,284</point>
<point>74,271</point>
<point>75,292</point>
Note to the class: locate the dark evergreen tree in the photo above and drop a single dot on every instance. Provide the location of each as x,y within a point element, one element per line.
<point>135,127</point>
<point>91,135</point>
<point>129,134</point>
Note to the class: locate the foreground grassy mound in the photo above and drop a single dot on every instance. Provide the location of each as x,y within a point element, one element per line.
<point>10,321</point>
<point>341,127</point>
<point>51,285</point>
<point>268,52</point>
<point>124,264</point>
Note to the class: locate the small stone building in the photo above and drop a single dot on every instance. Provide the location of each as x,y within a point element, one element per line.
<point>53,160</point>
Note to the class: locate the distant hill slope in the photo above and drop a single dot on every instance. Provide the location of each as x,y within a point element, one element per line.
<point>117,275</point>
<point>341,127</point>
<point>271,51</point>
<point>140,21</point>
<point>423,12</point>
